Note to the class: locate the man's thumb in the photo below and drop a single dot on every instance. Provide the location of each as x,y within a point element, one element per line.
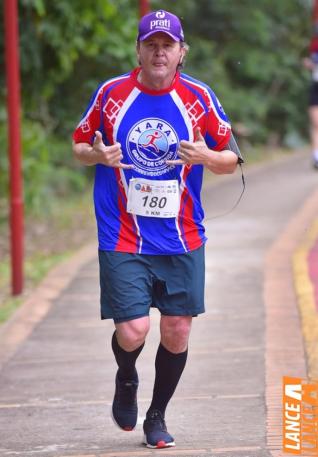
<point>198,135</point>
<point>98,137</point>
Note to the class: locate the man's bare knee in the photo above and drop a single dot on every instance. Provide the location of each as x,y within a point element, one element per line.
<point>131,334</point>
<point>175,331</point>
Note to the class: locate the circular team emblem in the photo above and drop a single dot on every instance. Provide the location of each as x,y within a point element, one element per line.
<point>150,143</point>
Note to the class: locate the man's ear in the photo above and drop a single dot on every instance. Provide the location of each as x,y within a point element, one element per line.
<point>183,53</point>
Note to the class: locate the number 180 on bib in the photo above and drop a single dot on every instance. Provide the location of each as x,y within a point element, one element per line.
<point>151,198</point>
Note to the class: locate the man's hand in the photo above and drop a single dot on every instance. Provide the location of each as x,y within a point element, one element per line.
<point>192,153</point>
<point>110,156</point>
<point>220,163</point>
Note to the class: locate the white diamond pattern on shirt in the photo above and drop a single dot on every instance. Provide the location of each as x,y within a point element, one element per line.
<point>111,109</point>
<point>195,112</point>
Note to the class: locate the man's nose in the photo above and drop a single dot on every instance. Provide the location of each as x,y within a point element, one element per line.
<point>159,50</point>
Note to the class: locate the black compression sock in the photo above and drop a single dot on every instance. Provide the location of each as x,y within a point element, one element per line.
<point>169,368</point>
<point>126,361</point>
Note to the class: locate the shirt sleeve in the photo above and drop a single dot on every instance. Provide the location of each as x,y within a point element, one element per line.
<point>218,127</point>
<point>91,120</point>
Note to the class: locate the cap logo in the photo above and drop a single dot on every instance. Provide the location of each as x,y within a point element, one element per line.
<point>164,23</point>
<point>160,21</point>
<point>160,14</point>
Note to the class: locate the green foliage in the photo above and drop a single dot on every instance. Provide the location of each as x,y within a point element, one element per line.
<point>250,53</point>
<point>63,42</point>
<point>49,170</point>
<point>66,49</point>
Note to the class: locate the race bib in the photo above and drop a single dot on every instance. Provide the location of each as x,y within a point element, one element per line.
<point>153,198</point>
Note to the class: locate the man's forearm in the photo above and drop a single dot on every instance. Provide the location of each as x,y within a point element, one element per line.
<point>85,153</point>
<point>224,162</point>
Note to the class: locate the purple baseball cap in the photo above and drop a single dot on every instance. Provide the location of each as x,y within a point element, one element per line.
<point>160,21</point>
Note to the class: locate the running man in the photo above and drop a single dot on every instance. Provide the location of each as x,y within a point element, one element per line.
<point>153,137</point>
<point>157,260</point>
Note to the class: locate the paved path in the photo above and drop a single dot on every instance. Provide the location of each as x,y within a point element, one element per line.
<point>57,376</point>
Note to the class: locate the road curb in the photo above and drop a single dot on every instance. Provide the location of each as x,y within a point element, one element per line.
<point>37,305</point>
<point>285,351</point>
<point>305,262</point>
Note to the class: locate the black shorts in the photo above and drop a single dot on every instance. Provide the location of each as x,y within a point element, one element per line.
<point>313,94</point>
<point>133,283</point>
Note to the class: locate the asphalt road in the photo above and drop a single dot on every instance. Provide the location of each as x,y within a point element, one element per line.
<point>56,390</point>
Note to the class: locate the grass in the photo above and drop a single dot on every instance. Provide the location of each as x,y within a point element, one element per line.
<point>8,308</point>
<point>49,239</point>
<point>35,269</point>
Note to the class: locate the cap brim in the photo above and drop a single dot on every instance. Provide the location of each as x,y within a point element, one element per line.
<point>147,35</point>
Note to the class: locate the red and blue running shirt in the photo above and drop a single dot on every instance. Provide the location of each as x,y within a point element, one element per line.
<point>149,126</point>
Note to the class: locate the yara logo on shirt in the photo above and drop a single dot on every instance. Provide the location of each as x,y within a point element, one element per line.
<point>150,143</point>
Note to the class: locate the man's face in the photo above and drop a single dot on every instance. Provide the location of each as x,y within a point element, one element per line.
<point>159,56</point>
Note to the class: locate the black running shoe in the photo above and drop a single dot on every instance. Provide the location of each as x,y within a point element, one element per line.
<point>125,409</point>
<point>156,435</point>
